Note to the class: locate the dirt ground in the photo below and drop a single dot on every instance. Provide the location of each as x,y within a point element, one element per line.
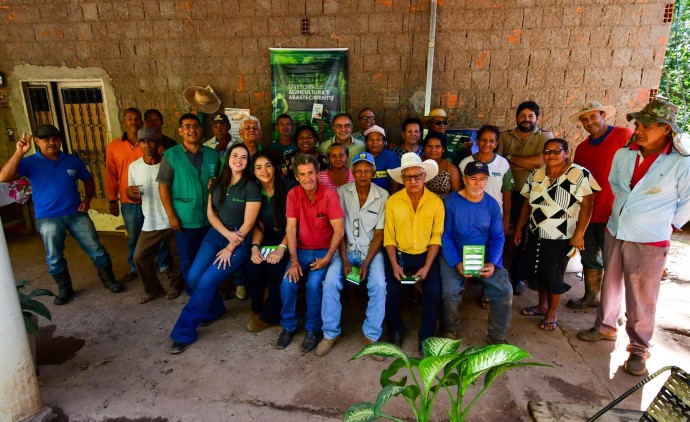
<point>105,358</point>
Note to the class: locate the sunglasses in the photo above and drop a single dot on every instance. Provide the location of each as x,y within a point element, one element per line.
<point>440,123</point>
<point>552,151</point>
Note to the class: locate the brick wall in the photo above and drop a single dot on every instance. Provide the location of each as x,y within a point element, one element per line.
<point>490,54</point>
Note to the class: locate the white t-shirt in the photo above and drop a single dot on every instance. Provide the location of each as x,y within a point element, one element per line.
<point>144,175</point>
<point>500,177</point>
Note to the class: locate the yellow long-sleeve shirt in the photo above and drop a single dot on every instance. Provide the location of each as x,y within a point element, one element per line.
<point>409,231</point>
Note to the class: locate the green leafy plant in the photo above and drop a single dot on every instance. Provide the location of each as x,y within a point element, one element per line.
<point>442,368</point>
<point>30,306</point>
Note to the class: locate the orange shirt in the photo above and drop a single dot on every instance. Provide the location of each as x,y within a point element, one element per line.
<point>118,156</point>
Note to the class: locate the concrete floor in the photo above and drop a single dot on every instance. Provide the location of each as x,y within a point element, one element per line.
<point>105,357</point>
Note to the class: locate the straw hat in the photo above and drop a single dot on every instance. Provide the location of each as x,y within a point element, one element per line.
<point>411,159</point>
<point>590,106</point>
<point>437,112</point>
<point>203,99</point>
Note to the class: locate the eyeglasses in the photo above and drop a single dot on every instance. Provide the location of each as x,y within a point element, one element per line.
<point>415,177</point>
<point>367,118</point>
<point>440,122</point>
<point>194,126</point>
<point>552,151</point>
<point>355,224</point>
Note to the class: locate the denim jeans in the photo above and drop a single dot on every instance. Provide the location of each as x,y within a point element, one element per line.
<point>376,285</point>
<point>431,288</point>
<point>188,242</point>
<point>134,221</point>
<point>288,292</point>
<point>593,254</point>
<point>205,302</point>
<point>497,288</point>
<point>53,230</point>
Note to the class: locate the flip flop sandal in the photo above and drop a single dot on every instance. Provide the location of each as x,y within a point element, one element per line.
<point>531,311</point>
<point>548,325</point>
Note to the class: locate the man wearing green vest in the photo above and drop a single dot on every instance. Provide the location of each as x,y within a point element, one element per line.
<point>185,171</point>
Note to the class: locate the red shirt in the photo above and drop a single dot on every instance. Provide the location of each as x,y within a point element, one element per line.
<point>314,230</point>
<point>597,158</point>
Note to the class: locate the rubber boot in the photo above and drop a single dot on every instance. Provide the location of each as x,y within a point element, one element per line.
<point>592,295</point>
<point>108,279</point>
<point>65,291</point>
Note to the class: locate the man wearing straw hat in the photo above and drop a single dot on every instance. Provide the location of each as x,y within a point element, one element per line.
<point>651,183</point>
<point>595,154</point>
<point>412,238</point>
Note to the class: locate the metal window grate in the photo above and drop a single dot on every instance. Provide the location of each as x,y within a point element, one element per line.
<point>305,26</point>
<point>668,13</point>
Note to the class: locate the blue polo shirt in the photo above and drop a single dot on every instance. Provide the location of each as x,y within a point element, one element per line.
<point>385,161</point>
<point>54,183</point>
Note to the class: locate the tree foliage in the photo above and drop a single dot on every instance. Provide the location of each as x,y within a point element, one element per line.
<point>675,77</point>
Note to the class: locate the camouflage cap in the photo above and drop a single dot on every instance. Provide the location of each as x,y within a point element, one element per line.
<point>657,111</point>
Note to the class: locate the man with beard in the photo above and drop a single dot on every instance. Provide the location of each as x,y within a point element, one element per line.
<point>522,147</point>
<point>595,154</point>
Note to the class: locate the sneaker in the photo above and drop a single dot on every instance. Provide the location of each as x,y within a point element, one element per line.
<point>241,293</point>
<point>377,358</point>
<point>491,341</point>
<point>324,346</point>
<point>519,288</point>
<point>311,339</point>
<point>284,339</point>
<point>395,338</point>
<point>593,335</point>
<point>179,347</point>
<point>635,365</point>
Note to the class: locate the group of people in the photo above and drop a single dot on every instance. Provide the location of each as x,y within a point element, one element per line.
<point>354,209</point>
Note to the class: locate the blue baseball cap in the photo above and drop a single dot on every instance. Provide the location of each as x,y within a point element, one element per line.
<point>363,156</point>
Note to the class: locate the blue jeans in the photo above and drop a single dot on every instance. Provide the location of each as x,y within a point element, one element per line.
<point>188,242</point>
<point>288,292</point>
<point>134,221</point>
<point>431,287</point>
<point>53,230</point>
<point>204,277</point>
<point>333,284</point>
<point>497,288</point>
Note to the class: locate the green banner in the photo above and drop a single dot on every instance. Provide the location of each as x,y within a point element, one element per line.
<point>310,85</point>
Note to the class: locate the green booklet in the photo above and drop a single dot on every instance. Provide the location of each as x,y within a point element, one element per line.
<point>266,250</point>
<point>472,259</point>
<point>353,276</point>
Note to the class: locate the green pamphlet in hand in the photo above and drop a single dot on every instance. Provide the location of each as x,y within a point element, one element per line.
<point>353,276</point>
<point>472,259</point>
<point>266,250</point>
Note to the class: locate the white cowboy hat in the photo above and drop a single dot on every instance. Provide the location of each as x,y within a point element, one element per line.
<point>411,159</point>
<point>437,112</point>
<point>203,99</point>
<point>590,106</point>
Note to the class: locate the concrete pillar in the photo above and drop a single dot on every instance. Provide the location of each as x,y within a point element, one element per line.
<point>19,395</point>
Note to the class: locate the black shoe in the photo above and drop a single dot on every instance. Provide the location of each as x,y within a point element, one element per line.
<point>284,339</point>
<point>519,288</point>
<point>395,338</point>
<point>311,339</point>
<point>206,322</point>
<point>179,347</point>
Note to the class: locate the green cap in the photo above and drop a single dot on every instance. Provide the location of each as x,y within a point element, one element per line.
<point>657,111</point>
